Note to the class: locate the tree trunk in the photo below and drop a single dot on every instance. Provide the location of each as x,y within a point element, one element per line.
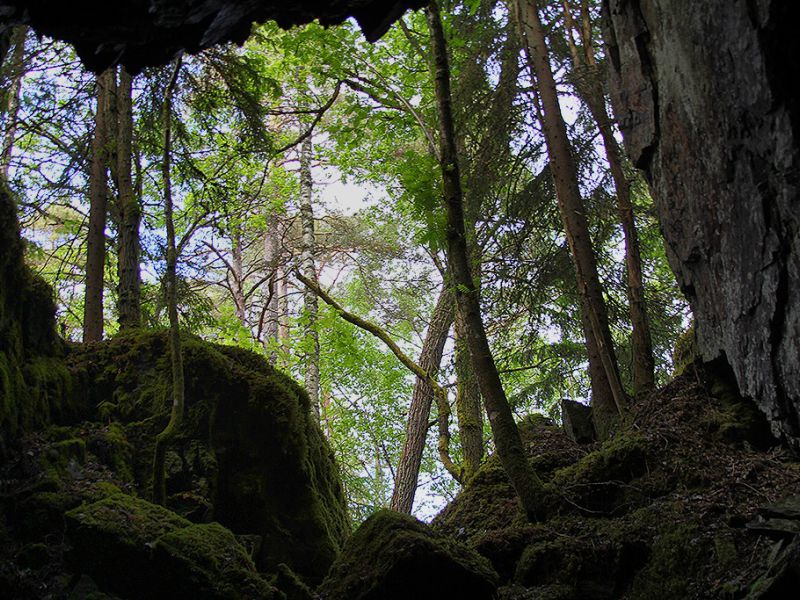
<point>271,312</point>
<point>236,276</point>
<point>430,358</point>
<point>589,86</point>
<point>129,210</point>
<point>468,405</point>
<point>506,435</point>
<point>16,70</point>
<point>310,302</point>
<point>178,390</point>
<point>98,197</point>
<point>573,217</point>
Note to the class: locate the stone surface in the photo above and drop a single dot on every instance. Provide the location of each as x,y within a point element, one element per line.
<point>393,556</point>
<point>140,550</point>
<point>249,453</point>
<point>704,96</point>
<point>141,33</point>
<point>576,419</point>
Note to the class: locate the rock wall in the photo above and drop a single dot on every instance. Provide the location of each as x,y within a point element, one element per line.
<point>704,95</point>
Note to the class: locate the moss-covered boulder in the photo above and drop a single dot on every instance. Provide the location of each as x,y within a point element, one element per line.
<point>207,562</point>
<point>136,549</point>
<point>393,556</point>
<point>112,541</point>
<point>248,455</point>
<point>33,385</point>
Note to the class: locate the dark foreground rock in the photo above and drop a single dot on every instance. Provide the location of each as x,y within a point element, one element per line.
<point>394,556</point>
<point>661,510</point>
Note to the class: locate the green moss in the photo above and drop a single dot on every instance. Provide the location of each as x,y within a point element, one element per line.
<point>208,561</point>
<point>620,458</point>
<point>678,552</point>
<point>685,352</point>
<point>393,556</point>
<point>290,584</point>
<point>112,540</point>
<point>247,441</point>
<point>111,447</point>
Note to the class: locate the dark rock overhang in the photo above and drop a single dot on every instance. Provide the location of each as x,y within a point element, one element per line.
<point>140,33</point>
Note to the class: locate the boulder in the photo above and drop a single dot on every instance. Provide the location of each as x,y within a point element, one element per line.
<point>136,549</point>
<point>249,454</point>
<point>393,556</point>
<point>576,419</point>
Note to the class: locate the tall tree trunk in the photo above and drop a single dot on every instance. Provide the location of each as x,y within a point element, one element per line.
<point>310,302</point>
<point>271,312</point>
<point>589,85</point>
<point>506,435</point>
<point>130,213</point>
<point>236,276</point>
<point>283,315</point>
<point>15,72</point>
<point>430,358</point>
<point>98,199</point>
<point>576,226</point>
<point>178,389</point>
<point>468,405</point>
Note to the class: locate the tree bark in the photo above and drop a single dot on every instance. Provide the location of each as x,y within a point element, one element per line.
<point>129,210</point>
<point>506,435</point>
<point>576,226</point>
<point>272,260</point>
<point>98,199</point>
<point>178,389</point>
<point>468,405</point>
<point>430,358</point>
<point>310,302</point>
<point>16,71</point>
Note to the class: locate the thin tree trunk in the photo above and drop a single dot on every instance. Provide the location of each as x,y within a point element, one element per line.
<point>439,393</point>
<point>309,269</point>
<point>236,276</point>
<point>272,260</point>
<point>573,216</point>
<point>16,71</point>
<point>130,213</point>
<point>468,405</point>
<point>98,200</point>
<point>283,315</point>
<point>506,435</point>
<point>178,389</point>
<point>588,84</point>
<point>430,358</point>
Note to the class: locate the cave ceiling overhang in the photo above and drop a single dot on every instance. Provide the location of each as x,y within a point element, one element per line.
<point>141,33</point>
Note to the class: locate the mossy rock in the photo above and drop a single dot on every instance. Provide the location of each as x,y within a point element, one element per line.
<point>248,443</point>
<point>206,562</point>
<point>678,552</point>
<point>31,386</point>
<point>595,569</point>
<point>393,556</point>
<point>136,549</point>
<point>596,483</point>
<point>112,541</point>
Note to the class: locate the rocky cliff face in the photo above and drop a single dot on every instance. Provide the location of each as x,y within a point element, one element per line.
<point>704,96</point>
<point>141,33</point>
